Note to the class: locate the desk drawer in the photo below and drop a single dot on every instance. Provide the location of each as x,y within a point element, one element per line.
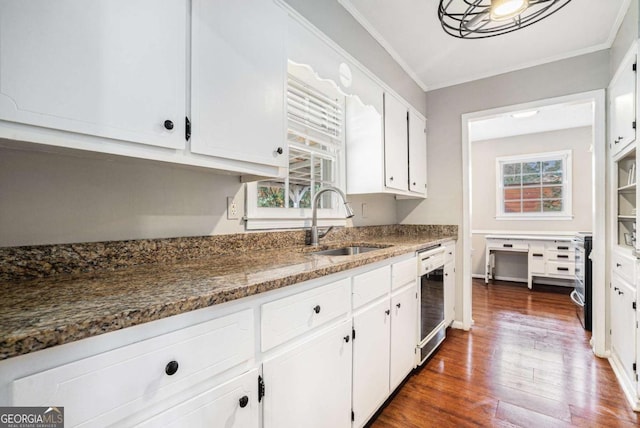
<point>623,266</point>
<point>295,315</point>
<point>559,246</point>
<point>561,256</point>
<point>507,245</point>
<point>102,389</point>
<point>561,268</point>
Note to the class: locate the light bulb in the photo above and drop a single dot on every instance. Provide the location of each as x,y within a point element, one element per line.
<point>502,10</point>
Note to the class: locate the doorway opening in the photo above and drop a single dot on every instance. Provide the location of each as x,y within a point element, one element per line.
<point>508,132</point>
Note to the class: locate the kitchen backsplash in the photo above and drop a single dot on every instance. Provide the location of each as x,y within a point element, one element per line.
<point>17,263</point>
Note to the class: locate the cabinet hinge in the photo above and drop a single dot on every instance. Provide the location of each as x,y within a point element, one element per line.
<point>260,388</point>
<point>634,367</point>
<point>353,416</point>
<point>187,128</point>
<point>353,334</point>
<point>633,125</point>
<point>633,305</point>
<point>634,66</point>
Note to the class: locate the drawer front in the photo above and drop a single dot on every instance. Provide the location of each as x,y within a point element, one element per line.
<point>623,266</point>
<point>561,256</point>
<point>449,253</point>
<point>403,273</point>
<point>561,268</point>
<point>292,316</point>
<point>371,285</point>
<point>105,388</point>
<point>509,245</point>
<point>559,246</point>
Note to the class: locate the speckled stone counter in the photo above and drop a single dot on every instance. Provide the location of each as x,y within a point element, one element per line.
<point>61,293</point>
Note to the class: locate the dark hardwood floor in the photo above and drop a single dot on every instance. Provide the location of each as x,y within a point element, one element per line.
<point>526,363</point>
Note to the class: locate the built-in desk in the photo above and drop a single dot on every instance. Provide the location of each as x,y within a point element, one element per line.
<point>547,256</point>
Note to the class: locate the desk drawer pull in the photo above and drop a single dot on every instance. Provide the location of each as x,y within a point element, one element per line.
<point>563,248</point>
<point>537,254</point>
<point>507,245</point>
<point>563,256</point>
<point>563,268</point>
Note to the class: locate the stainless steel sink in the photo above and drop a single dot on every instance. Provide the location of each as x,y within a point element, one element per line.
<point>346,251</point>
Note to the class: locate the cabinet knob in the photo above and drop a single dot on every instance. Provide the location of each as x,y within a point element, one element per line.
<point>414,183</point>
<point>387,312</point>
<point>618,265</point>
<point>244,401</point>
<point>346,338</point>
<point>279,150</point>
<point>398,305</point>
<point>168,125</point>
<point>391,178</point>
<point>171,368</point>
<point>316,309</point>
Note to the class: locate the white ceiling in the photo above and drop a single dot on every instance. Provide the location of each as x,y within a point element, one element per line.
<point>549,118</point>
<point>411,32</point>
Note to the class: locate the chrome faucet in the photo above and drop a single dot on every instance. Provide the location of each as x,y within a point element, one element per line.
<point>314,219</point>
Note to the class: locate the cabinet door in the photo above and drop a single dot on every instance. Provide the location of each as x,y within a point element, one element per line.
<point>370,360</point>
<point>111,68</point>
<point>404,336</point>
<point>238,80</point>
<point>417,154</point>
<point>396,146</point>
<point>231,405</point>
<point>622,106</point>
<point>623,325</point>
<point>310,385</point>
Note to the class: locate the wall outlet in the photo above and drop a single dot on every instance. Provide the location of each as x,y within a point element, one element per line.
<point>364,210</point>
<point>232,209</point>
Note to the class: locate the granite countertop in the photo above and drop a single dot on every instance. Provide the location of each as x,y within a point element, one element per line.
<point>38,313</point>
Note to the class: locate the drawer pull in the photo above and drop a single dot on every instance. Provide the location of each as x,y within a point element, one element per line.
<point>537,254</point>
<point>171,368</point>
<point>618,265</point>
<point>346,338</point>
<point>563,268</point>
<point>563,256</point>
<point>244,401</point>
<point>398,305</point>
<point>507,245</point>
<point>316,309</point>
<point>563,248</point>
<point>387,312</point>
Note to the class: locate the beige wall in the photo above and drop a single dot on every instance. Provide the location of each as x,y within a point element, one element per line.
<point>483,176</point>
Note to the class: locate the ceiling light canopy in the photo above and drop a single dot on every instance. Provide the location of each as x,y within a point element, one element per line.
<point>479,19</point>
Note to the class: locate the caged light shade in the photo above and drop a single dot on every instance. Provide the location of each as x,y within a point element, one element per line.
<point>479,19</point>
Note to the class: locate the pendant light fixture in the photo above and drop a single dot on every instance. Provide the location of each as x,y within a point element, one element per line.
<point>479,19</point>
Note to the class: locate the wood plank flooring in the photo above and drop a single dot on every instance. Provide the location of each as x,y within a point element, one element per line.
<point>526,363</point>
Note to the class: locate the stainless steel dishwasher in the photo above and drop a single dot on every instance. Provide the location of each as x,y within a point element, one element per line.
<point>432,325</point>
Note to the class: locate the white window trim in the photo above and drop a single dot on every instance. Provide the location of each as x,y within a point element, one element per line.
<point>258,218</point>
<point>566,214</point>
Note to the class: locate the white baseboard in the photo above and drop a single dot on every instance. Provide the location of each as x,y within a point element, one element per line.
<point>458,325</point>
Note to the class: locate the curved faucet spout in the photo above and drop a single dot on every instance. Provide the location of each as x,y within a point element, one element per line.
<point>314,218</point>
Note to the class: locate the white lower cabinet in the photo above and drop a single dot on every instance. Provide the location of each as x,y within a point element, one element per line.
<point>231,405</point>
<point>404,336</point>
<point>623,327</point>
<point>371,360</point>
<point>310,385</point>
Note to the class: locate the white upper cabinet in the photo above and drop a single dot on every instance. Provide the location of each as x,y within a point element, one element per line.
<point>396,146</point>
<point>622,104</point>
<point>107,68</point>
<point>417,154</point>
<point>238,81</point>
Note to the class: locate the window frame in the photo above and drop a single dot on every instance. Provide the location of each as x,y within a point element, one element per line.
<point>566,214</point>
<point>258,218</point>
